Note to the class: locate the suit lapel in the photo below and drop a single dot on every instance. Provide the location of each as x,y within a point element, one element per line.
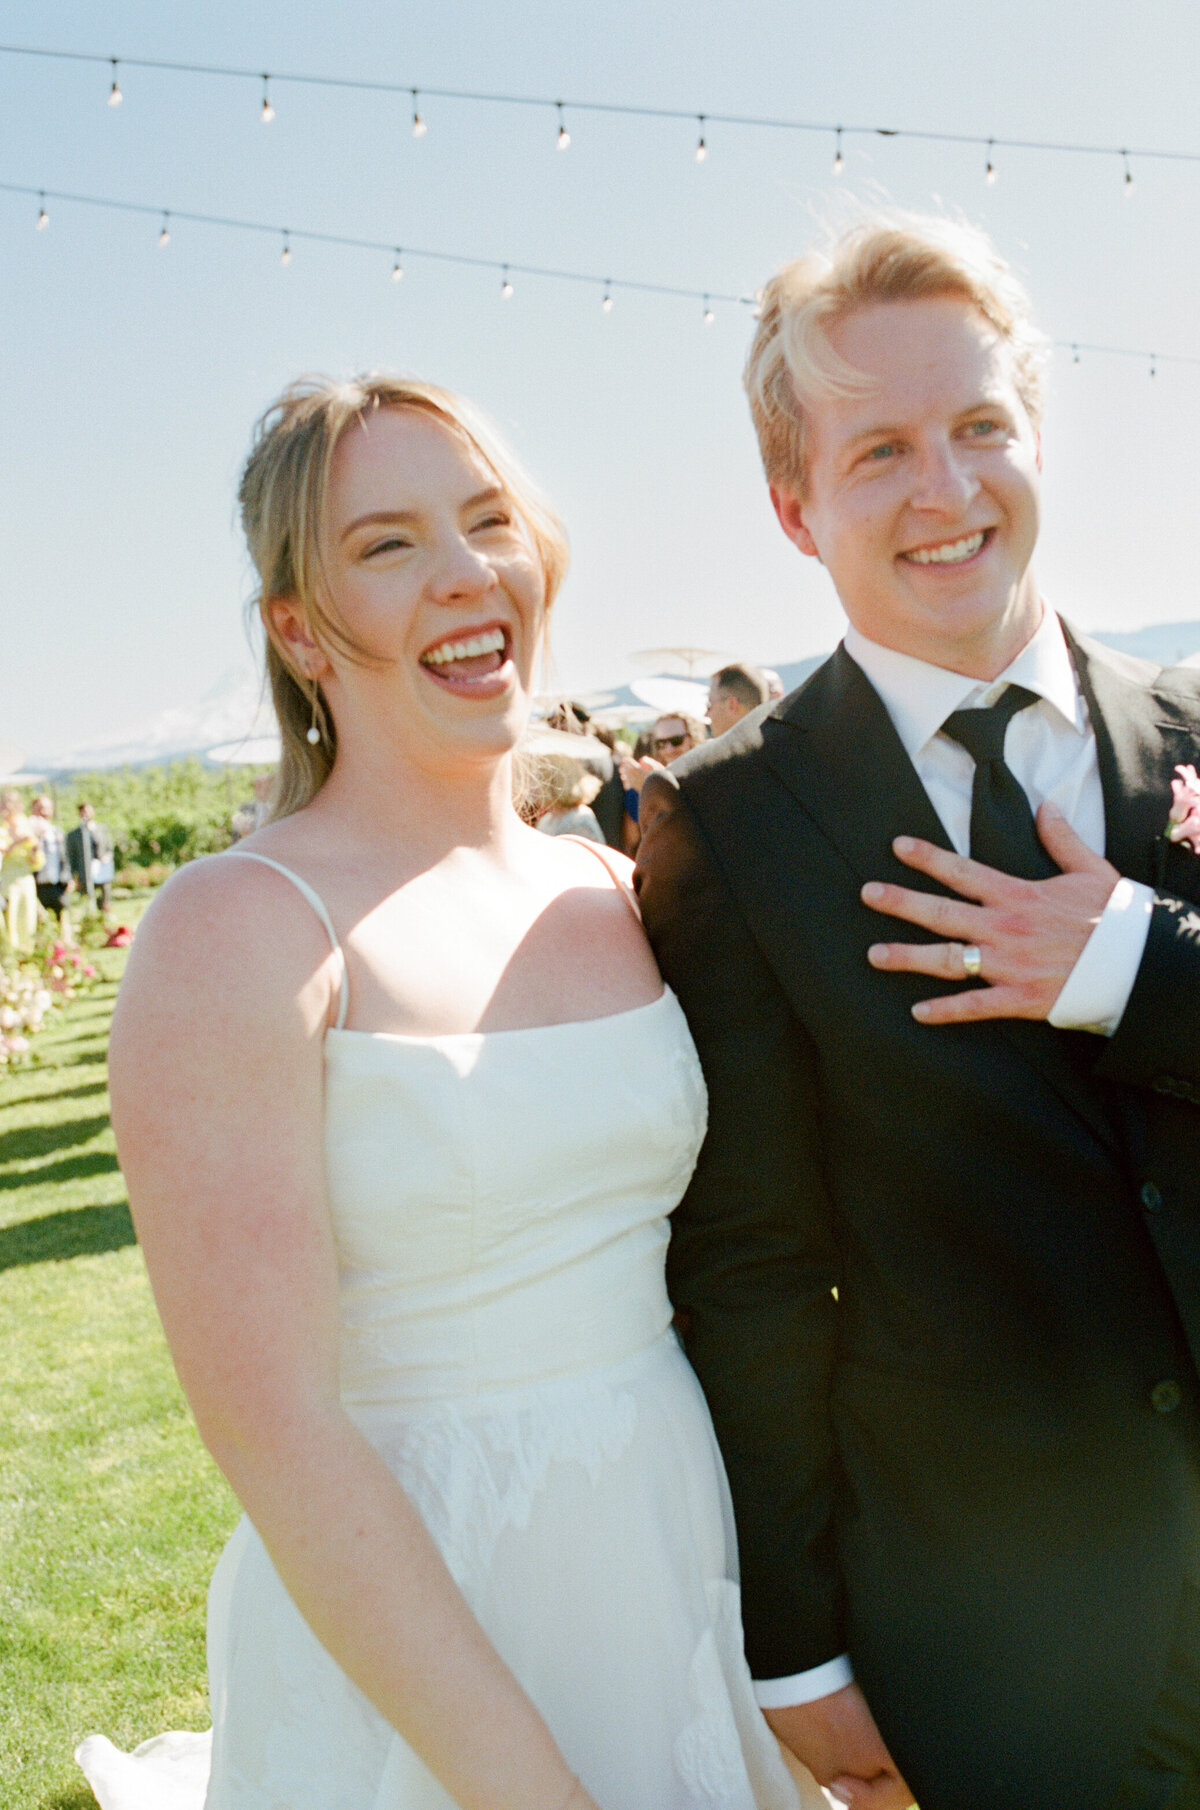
<point>848,769</point>
<point>851,773</point>
<point>1145,727</point>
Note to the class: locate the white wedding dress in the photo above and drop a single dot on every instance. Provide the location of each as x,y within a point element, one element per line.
<point>499,1201</point>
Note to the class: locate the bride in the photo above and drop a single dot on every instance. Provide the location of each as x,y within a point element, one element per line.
<point>403,1107</point>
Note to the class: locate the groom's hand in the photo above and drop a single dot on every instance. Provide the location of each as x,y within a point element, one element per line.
<point>1029,933</point>
<point>836,1738</point>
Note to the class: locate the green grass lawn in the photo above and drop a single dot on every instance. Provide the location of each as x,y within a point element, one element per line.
<point>111,1513</point>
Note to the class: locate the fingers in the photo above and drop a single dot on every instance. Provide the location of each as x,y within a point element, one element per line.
<point>1063,845</point>
<point>887,1791</point>
<point>949,918</point>
<point>944,961</point>
<point>958,872</point>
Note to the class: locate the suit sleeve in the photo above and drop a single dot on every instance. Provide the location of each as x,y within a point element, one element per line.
<point>1157,1043</point>
<point>752,1266</point>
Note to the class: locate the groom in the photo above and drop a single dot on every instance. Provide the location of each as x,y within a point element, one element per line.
<point>939,1266</point>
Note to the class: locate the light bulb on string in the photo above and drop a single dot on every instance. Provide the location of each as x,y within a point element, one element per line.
<point>397,268</point>
<point>708,316</point>
<point>564,137</point>
<point>267,111</point>
<point>285,256</point>
<point>990,174</point>
<point>164,237</point>
<point>1076,360</point>
<point>115,97</point>
<point>1153,365</point>
<point>839,162</point>
<point>606,304</point>
<point>701,146</point>
<point>1128,187</point>
<point>419,128</point>
<point>43,219</point>
<point>506,288</point>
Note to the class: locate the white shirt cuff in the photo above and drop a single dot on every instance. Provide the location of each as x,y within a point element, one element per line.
<point>803,1687</point>
<point>1098,987</point>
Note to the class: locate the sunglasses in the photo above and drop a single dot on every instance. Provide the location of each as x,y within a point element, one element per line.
<point>669,741</point>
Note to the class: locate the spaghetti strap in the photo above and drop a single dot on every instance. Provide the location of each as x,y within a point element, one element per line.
<point>318,905</point>
<point>601,853</point>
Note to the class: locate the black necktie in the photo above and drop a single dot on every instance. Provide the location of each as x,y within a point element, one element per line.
<point>1003,832</point>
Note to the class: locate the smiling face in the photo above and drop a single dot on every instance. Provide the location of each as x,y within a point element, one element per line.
<point>922,491</point>
<point>434,576</point>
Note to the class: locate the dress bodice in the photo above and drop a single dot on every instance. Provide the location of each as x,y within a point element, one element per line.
<point>499,1199</point>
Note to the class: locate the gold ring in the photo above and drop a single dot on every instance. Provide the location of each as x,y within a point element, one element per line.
<point>972,959</point>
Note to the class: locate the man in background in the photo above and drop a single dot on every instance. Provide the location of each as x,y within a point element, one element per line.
<point>733,693</point>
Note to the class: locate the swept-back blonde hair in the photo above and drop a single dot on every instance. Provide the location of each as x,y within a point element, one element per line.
<point>888,257</point>
<point>283,494</point>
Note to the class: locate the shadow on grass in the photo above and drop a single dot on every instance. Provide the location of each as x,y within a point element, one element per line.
<point>71,1169</point>
<point>72,1797</point>
<point>56,1237</point>
<point>50,1095</point>
<point>26,1141</point>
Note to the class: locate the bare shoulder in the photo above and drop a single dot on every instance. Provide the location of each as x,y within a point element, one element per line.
<point>226,939</point>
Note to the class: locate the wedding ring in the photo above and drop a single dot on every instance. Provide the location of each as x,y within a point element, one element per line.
<point>972,959</point>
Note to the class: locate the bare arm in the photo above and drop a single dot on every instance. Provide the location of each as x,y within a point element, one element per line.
<point>216,1066</point>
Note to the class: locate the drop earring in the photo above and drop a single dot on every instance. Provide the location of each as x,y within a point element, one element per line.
<point>312,734</point>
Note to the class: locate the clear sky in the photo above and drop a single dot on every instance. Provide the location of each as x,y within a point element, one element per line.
<point>132,374</point>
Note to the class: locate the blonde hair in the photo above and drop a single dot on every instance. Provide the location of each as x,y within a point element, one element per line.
<point>889,257</point>
<point>283,494</point>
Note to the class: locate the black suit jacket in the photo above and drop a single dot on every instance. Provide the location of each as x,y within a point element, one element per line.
<point>941,1285</point>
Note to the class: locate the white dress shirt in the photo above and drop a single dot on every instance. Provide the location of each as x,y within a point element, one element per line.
<point>1051,750</point>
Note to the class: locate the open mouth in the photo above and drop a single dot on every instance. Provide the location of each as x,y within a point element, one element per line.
<point>471,658</point>
<point>949,553</point>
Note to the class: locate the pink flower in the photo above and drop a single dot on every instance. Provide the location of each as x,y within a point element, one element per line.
<point>89,971</point>
<point>1183,820</point>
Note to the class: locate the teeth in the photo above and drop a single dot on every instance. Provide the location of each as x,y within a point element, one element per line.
<point>951,554</point>
<point>491,643</point>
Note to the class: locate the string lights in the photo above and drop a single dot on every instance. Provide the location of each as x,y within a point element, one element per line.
<point>266,112</point>
<point>989,174</point>
<point>563,141</point>
<point>608,285</point>
<point>753,122</point>
<point>1128,185</point>
<point>839,162</point>
<point>164,237</point>
<point>115,97</point>
<point>701,142</point>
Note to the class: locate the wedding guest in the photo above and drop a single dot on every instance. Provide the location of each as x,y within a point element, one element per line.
<point>403,1106</point>
<point>90,852</point>
<point>20,859</point>
<point>566,792</point>
<point>733,693</point>
<point>53,878</point>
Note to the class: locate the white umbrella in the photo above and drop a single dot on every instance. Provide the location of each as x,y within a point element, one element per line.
<point>541,740</point>
<point>690,661</point>
<point>672,695</point>
<point>251,751</point>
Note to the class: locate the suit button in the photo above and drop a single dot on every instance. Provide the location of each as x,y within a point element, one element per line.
<point>1165,1397</point>
<point>1151,1198</point>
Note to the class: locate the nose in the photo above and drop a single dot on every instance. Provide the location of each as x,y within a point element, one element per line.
<point>945,481</point>
<point>461,572</point>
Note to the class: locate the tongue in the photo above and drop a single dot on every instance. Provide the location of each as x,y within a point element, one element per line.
<point>476,666</point>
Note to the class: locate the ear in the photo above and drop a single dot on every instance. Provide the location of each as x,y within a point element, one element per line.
<point>790,511</point>
<point>302,652</point>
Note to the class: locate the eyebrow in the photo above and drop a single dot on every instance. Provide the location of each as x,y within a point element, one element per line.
<point>380,517</point>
